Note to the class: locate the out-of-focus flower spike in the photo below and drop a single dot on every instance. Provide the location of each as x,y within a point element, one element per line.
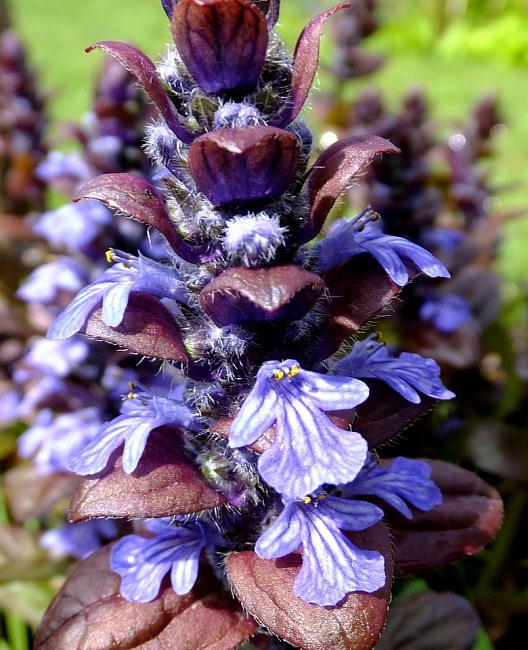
<point>139,65</point>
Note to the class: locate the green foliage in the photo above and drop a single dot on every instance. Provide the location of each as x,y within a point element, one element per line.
<point>481,29</point>
<point>504,39</point>
<point>483,641</point>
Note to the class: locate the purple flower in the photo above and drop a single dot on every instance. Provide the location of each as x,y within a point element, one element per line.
<point>444,239</point>
<point>406,374</point>
<point>51,389</point>
<point>332,565</point>
<point>59,165</point>
<point>308,449</point>
<point>113,290</point>
<point>46,281</point>
<point>143,562</point>
<point>9,400</point>
<point>163,147</point>
<point>55,358</point>
<point>141,413</point>
<point>446,313</point>
<point>51,441</point>
<point>351,237</point>
<point>406,480</point>
<point>234,115</point>
<point>73,226</point>
<point>79,539</point>
<point>253,240</point>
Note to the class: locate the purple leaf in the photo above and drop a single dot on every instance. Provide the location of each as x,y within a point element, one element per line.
<point>281,292</point>
<point>461,349</point>
<point>360,290</point>
<point>500,448</point>
<point>169,5</point>
<point>147,328</point>
<point>430,620</point>
<point>139,65</point>
<point>385,413</point>
<point>165,483</point>
<point>265,588</point>
<point>332,173</point>
<point>223,44</point>
<point>306,60</point>
<point>244,164</point>
<point>468,518</point>
<point>272,14</point>
<point>137,199</point>
<point>89,612</point>
<point>31,496</point>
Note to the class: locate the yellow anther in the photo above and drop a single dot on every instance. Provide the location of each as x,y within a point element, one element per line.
<point>131,395</point>
<point>132,385</point>
<point>278,375</point>
<point>110,256</point>
<point>307,500</point>
<point>127,266</point>
<point>295,370</point>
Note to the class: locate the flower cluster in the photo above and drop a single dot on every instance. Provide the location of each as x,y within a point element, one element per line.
<point>22,126</point>
<point>65,390</point>
<point>247,459</point>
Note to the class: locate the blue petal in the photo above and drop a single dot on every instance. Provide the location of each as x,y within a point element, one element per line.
<point>136,442</point>
<point>72,319</point>
<point>140,581</point>
<point>115,302</point>
<point>349,514</point>
<point>310,450</point>
<point>334,567</point>
<point>282,537</point>
<point>94,457</point>
<point>389,260</point>
<point>257,415</point>
<point>185,568</point>
<point>390,249</point>
<point>142,563</point>
<point>406,374</point>
<point>333,393</point>
<point>406,480</point>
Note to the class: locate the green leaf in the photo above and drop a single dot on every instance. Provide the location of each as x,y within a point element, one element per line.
<point>28,600</point>
<point>483,641</point>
